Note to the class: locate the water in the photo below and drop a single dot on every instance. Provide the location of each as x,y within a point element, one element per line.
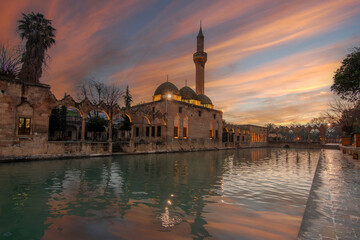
<point>232,194</point>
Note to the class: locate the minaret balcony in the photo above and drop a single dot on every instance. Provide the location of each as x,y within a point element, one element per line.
<point>200,57</point>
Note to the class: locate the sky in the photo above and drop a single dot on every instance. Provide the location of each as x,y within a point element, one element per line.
<point>269,61</point>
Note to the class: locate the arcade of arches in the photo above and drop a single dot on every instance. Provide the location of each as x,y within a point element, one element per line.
<point>33,125</point>
<point>306,134</point>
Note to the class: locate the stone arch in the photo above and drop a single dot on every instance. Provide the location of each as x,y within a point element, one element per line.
<point>147,119</point>
<point>97,125</point>
<point>130,119</point>
<point>65,123</point>
<point>122,126</point>
<point>302,135</point>
<point>315,135</point>
<point>225,136</point>
<point>231,136</point>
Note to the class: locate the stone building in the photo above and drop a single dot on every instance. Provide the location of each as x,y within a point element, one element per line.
<point>176,120</point>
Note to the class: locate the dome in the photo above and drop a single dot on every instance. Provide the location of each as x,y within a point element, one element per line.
<point>187,93</point>
<point>204,99</point>
<point>166,88</point>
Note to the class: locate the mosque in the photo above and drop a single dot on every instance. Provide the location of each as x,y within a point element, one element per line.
<point>189,118</point>
<point>175,120</point>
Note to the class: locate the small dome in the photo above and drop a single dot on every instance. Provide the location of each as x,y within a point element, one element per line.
<point>187,93</point>
<point>204,99</point>
<point>166,88</point>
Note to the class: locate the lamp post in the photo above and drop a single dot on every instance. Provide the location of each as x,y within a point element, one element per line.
<point>166,99</point>
<point>168,96</point>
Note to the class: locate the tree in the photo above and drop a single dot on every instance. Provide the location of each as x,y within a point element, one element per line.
<point>270,126</point>
<point>96,124</point>
<point>128,98</point>
<point>347,77</point>
<point>319,121</point>
<point>97,92</point>
<point>57,120</point>
<point>344,114</point>
<point>39,35</point>
<point>10,61</point>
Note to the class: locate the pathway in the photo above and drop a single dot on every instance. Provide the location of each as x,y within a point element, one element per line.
<point>333,207</point>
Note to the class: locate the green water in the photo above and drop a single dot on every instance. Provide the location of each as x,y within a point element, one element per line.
<point>233,194</point>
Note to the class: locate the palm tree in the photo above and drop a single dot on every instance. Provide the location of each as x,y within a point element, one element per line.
<point>39,34</point>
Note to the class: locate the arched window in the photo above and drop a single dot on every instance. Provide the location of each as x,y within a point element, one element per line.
<point>176,126</point>
<point>211,129</point>
<point>185,127</point>
<point>217,129</point>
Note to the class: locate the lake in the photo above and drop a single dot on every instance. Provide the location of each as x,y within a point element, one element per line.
<point>227,194</point>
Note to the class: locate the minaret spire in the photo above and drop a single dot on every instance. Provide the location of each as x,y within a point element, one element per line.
<point>200,58</point>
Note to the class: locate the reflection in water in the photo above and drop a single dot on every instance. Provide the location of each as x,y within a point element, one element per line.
<point>252,193</point>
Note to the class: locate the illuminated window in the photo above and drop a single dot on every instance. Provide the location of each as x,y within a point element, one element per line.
<point>185,127</point>
<point>185,132</point>
<point>24,126</point>
<point>176,126</point>
<point>211,133</point>
<point>176,132</point>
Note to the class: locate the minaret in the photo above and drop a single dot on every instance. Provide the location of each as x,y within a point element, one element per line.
<point>200,58</point>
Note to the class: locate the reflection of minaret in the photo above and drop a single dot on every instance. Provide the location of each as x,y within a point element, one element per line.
<point>200,58</point>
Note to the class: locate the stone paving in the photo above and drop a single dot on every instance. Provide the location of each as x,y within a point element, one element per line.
<point>333,207</point>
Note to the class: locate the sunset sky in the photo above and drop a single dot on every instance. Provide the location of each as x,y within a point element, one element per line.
<point>268,61</point>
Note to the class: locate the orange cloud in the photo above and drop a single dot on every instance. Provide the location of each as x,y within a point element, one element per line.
<point>129,44</point>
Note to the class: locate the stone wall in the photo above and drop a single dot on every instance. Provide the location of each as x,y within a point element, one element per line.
<point>38,148</point>
<point>176,145</point>
<point>171,113</point>
<point>20,100</point>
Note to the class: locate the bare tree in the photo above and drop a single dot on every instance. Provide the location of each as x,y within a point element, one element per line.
<point>111,97</point>
<point>318,121</point>
<point>343,113</point>
<point>98,92</point>
<point>91,89</point>
<point>10,60</point>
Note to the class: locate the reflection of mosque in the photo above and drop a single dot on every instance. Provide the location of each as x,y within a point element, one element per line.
<point>113,188</point>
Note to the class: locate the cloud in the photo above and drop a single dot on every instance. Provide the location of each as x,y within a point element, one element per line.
<point>261,55</point>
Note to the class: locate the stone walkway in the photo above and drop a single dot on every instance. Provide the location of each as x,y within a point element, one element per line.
<point>333,207</point>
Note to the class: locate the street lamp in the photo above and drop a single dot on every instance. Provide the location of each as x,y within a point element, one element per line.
<point>166,99</point>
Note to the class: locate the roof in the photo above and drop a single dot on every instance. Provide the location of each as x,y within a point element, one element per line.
<point>167,88</point>
<point>204,99</point>
<point>200,33</point>
<point>188,93</point>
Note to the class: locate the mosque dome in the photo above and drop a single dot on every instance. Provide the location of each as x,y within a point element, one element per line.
<point>187,93</point>
<point>204,99</point>
<point>167,88</point>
